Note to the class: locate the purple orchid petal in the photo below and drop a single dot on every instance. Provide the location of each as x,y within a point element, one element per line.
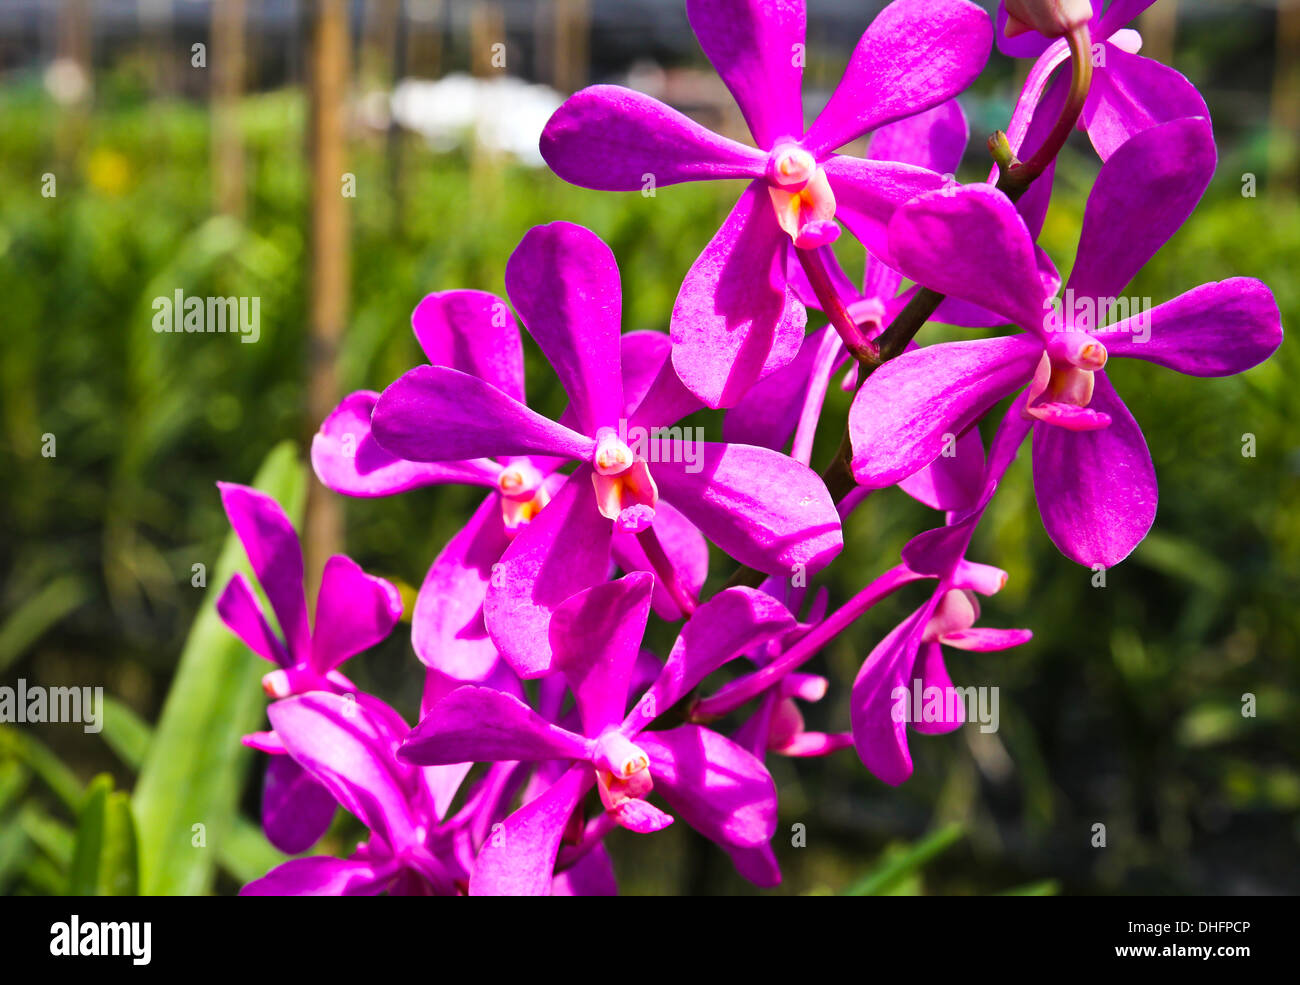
<point>1040,104</point>
<point>348,748</point>
<point>433,414</point>
<point>640,816</point>
<point>756,47</point>
<point>951,482</point>
<point>322,875</point>
<point>735,318</point>
<point>267,742</point>
<point>518,858</point>
<point>642,355</point>
<point>933,673</point>
<point>564,550</point>
<point>1008,438</point>
<point>757,865</point>
<point>596,637</point>
<point>348,460</point>
<point>474,332</point>
<point>879,726</point>
<point>807,745</point>
<point>900,417</point>
<point>1142,195</point>
<point>1030,44</point>
<point>931,239</point>
<point>242,613</point>
<point>937,553</point>
<point>591,875</point>
<point>477,724</point>
<point>296,810</point>
<point>665,401</point>
<point>1212,330</point>
<point>354,611</point>
<point>442,783</point>
<point>935,139</point>
<point>1134,94</point>
<point>1118,13</point>
<point>769,414</point>
<point>984,639</point>
<point>564,283</point>
<point>869,193</point>
<point>447,628</point>
<point>614,139</point>
<point>733,622</point>
<point>686,549</point>
<point>1096,490</point>
<point>272,547</point>
<point>916,54</point>
<point>765,510</point>
<point>719,789</point>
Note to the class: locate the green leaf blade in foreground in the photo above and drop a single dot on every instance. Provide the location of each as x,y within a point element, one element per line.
<point>187,797</point>
<point>105,859</point>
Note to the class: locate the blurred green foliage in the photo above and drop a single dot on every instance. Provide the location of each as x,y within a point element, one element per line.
<point>1125,710</point>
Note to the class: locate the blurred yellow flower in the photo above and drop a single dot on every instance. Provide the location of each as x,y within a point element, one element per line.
<point>108,171</point>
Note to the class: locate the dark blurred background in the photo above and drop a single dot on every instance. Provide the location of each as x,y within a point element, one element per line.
<point>223,178</point>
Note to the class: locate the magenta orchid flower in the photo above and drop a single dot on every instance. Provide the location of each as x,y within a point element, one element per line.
<point>1093,474</point>
<point>736,317</point>
<point>354,611</point>
<point>475,333</point>
<point>904,682</point>
<point>347,747</point>
<point>1128,94</point>
<point>763,508</point>
<point>719,788</point>
<point>783,409</point>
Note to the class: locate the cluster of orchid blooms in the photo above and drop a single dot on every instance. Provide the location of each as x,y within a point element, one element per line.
<point>530,622</point>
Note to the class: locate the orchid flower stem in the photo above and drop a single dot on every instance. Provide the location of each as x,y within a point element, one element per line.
<point>855,340</point>
<point>894,339</point>
<point>665,572</point>
<point>739,691</point>
<point>838,476</point>
<point>1016,177</point>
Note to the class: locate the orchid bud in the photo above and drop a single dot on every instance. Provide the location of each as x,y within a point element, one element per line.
<point>1051,18</point>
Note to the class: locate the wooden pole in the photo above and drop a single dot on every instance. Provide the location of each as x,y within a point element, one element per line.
<point>424,39</point>
<point>572,44</point>
<point>1158,25</point>
<point>226,61</point>
<point>1284,152</point>
<point>323,525</point>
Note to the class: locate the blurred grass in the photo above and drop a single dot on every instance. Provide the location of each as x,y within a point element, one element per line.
<point>1125,709</point>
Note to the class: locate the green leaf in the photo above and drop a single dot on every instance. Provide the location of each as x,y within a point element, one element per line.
<point>52,836</point>
<point>126,733</point>
<point>1047,887</point>
<point>246,854</point>
<point>105,861</point>
<point>38,613</point>
<point>186,800</point>
<point>41,761</point>
<point>895,868</point>
<point>13,850</point>
<point>13,782</point>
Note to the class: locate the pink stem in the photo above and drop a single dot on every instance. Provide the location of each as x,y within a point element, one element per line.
<point>739,691</point>
<point>855,339</point>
